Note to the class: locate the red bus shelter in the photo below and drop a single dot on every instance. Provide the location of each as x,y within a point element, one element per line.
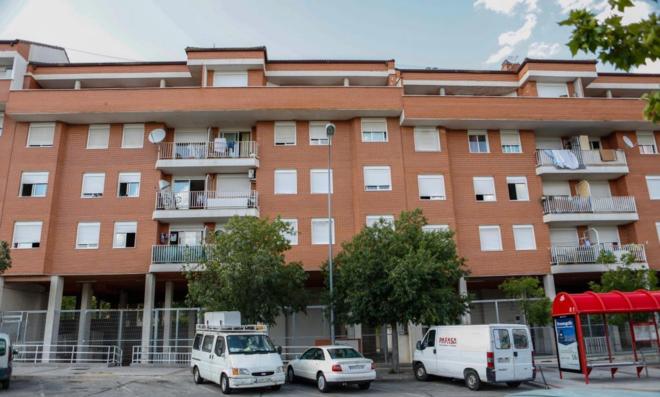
<point>569,338</point>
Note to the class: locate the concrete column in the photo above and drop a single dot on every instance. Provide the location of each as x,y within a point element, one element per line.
<point>147,313</point>
<point>441,92</point>
<point>462,289</point>
<point>578,87</point>
<point>549,286</point>
<point>2,293</point>
<point>84,320</point>
<point>52,316</point>
<point>167,314</point>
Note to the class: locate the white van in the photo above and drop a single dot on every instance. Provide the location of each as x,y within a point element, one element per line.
<point>6,357</point>
<point>476,353</point>
<point>236,357</point>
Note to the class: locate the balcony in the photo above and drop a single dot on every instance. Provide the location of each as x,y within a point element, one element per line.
<point>571,164</point>
<point>173,258</point>
<point>574,211</point>
<point>206,157</point>
<point>204,206</point>
<point>584,259</point>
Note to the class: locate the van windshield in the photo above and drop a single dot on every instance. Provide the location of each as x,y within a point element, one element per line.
<point>250,344</point>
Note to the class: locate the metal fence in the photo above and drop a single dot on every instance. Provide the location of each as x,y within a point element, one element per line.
<point>89,354</point>
<point>203,200</point>
<point>206,150</point>
<point>24,327</point>
<point>581,205</point>
<point>584,254</point>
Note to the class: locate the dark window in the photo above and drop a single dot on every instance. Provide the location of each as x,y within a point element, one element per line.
<point>502,339</point>
<point>512,191</point>
<point>207,344</point>
<point>220,346</point>
<point>318,355</point>
<point>307,355</point>
<point>130,240</point>
<point>129,189</point>
<point>430,341</point>
<point>520,340</point>
<point>197,342</point>
<point>3,348</point>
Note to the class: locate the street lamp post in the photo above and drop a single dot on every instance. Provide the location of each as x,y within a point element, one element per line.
<point>330,132</point>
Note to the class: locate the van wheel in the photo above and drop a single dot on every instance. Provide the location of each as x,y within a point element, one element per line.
<point>321,383</point>
<point>197,378</point>
<point>472,380</point>
<point>5,384</point>
<point>224,385</point>
<point>513,384</point>
<point>290,376</point>
<point>420,372</point>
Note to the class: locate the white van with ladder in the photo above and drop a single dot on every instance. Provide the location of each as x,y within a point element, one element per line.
<point>236,357</point>
<point>490,353</point>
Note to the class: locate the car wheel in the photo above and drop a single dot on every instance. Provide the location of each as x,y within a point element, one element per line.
<point>420,372</point>
<point>321,383</point>
<point>5,384</point>
<point>276,387</point>
<point>472,380</point>
<point>197,378</point>
<point>224,384</point>
<point>513,384</point>
<point>364,386</point>
<point>290,376</point>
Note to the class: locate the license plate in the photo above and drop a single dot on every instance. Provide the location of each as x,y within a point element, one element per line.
<point>263,380</point>
<point>355,366</point>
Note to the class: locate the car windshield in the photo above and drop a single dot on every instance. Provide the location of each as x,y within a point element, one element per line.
<point>344,352</point>
<point>250,344</point>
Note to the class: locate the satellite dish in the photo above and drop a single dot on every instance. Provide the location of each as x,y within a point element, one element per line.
<point>163,184</point>
<point>629,143</point>
<point>157,135</point>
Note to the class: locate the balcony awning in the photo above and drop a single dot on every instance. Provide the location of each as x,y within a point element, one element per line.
<point>606,303</point>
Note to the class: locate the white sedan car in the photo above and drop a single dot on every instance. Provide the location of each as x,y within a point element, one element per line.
<point>332,365</point>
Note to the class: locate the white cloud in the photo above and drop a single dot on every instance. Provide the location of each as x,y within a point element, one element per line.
<point>500,55</point>
<point>649,67</point>
<point>506,6</point>
<point>639,10</point>
<point>516,36</point>
<point>568,5</point>
<point>543,50</point>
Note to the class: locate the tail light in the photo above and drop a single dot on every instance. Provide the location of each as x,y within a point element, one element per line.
<point>373,365</point>
<point>490,360</point>
<point>336,368</point>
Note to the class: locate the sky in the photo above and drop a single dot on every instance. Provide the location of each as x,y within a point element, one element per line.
<point>466,34</point>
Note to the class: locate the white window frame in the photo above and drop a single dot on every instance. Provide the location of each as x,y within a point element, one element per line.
<point>657,229</point>
<point>368,132</point>
<point>418,131</point>
<point>478,133</point>
<point>79,246</point>
<point>482,241</point>
<point>285,171</point>
<point>533,236</point>
<point>132,128</point>
<point>514,133</point>
<point>435,228</point>
<point>378,188</point>
<point>25,174</point>
<point>511,180</point>
<point>2,122</point>
<point>127,174</point>
<point>242,81</point>
<point>324,172</point>
<point>484,178</point>
<point>104,132</point>
<point>31,129</point>
<point>555,85</point>
<point>315,239</point>
<point>16,226</point>
<point>420,178</point>
<point>285,124</point>
<point>313,125</point>
<point>115,233</point>
<point>655,178</point>
<point>291,237</point>
<point>372,220</point>
<point>651,136</point>
<point>91,175</point>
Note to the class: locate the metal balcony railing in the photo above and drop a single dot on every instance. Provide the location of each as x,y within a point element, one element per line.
<point>161,254</point>
<point>206,150</point>
<point>205,200</point>
<point>588,205</point>
<point>584,158</point>
<point>584,254</point>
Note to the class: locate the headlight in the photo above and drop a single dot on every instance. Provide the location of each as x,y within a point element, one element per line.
<point>240,371</point>
<point>279,369</point>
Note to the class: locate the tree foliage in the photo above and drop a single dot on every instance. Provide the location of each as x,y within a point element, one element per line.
<point>623,45</point>
<point>626,278</point>
<point>5,257</point>
<point>531,296</point>
<point>245,270</point>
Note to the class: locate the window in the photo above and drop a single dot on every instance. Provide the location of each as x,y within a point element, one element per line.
<point>426,139</point>
<point>510,141</point>
<point>132,136</point>
<point>41,134</point>
<point>523,236</point>
<point>517,188</point>
<point>125,233</point>
<point>377,178</point>
<point>429,341</point>
<point>653,184</point>
<point>2,122</point>
<point>320,231</point>
<point>317,135</point>
<point>646,142</point>
<point>484,188</point>
<point>27,235</point>
<point>98,136</point>
<point>129,184</point>
<point>88,235</point>
<point>374,130</point>
<point>198,341</point>
<point>490,238</point>
<point>292,236</point>
<point>286,182</point>
<point>34,184</point>
<point>435,228</point>
<point>373,220</point>
<point>230,79</point>
<point>319,181</point>
<point>478,141</point>
<point>93,185</point>
<point>285,133</point>
<point>207,344</point>
<point>220,346</point>
<point>502,339</point>
<point>657,229</point>
<point>520,339</point>
<point>431,187</point>
<point>552,90</point>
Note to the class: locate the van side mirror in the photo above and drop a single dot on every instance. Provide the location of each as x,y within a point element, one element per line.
<point>279,349</point>
<point>419,345</point>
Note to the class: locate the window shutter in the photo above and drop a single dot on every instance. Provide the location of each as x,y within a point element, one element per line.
<point>319,181</point>
<point>88,234</point>
<point>129,178</point>
<point>293,236</point>
<point>374,219</point>
<point>426,139</point>
<point>34,177</point>
<point>377,178</point>
<point>41,134</point>
<point>93,183</point>
<point>317,135</point>
<point>551,90</point>
<point>431,186</point>
<point>286,182</point>
<point>98,136</point>
<point>374,125</point>
<point>564,237</point>
<point>230,79</point>
<point>27,232</point>
<point>285,133</point>
<point>523,236</point>
<point>133,136</point>
<point>653,184</point>
<point>320,231</point>
<point>484,186</point>
<point>435,228</point>
<point>490,238</point>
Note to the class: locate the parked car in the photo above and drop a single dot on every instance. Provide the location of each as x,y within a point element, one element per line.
<point>6,358</point>
<point>238,357</point>
<point>476,353</point>
<point>332,365</point>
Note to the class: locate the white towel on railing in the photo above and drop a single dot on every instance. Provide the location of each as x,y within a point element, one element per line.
<point>563,158</point>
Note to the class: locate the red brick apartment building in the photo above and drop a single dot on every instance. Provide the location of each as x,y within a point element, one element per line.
<point>527,165</point>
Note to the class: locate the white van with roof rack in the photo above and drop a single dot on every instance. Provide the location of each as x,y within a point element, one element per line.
<point>236,357</point>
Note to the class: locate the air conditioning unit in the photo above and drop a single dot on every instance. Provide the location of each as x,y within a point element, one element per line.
<point>252,174</point>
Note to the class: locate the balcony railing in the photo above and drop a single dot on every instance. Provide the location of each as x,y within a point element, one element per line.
<point>207,150</point>
<point>161,254</point>
<point>648,149</point>
<point>588,205</point>
<point>584,254</point>
<point>206,200</point>
<point>579,159</point>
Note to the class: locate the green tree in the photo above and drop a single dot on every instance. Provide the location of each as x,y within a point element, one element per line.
<point>245,270</point>
<point>395,275</point>
<point>531,296</point>
<point>626,278</point>
<point>5,257</point>
<point>624,46</point>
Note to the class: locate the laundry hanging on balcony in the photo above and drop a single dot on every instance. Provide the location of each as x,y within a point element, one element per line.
<point>563,158</point>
